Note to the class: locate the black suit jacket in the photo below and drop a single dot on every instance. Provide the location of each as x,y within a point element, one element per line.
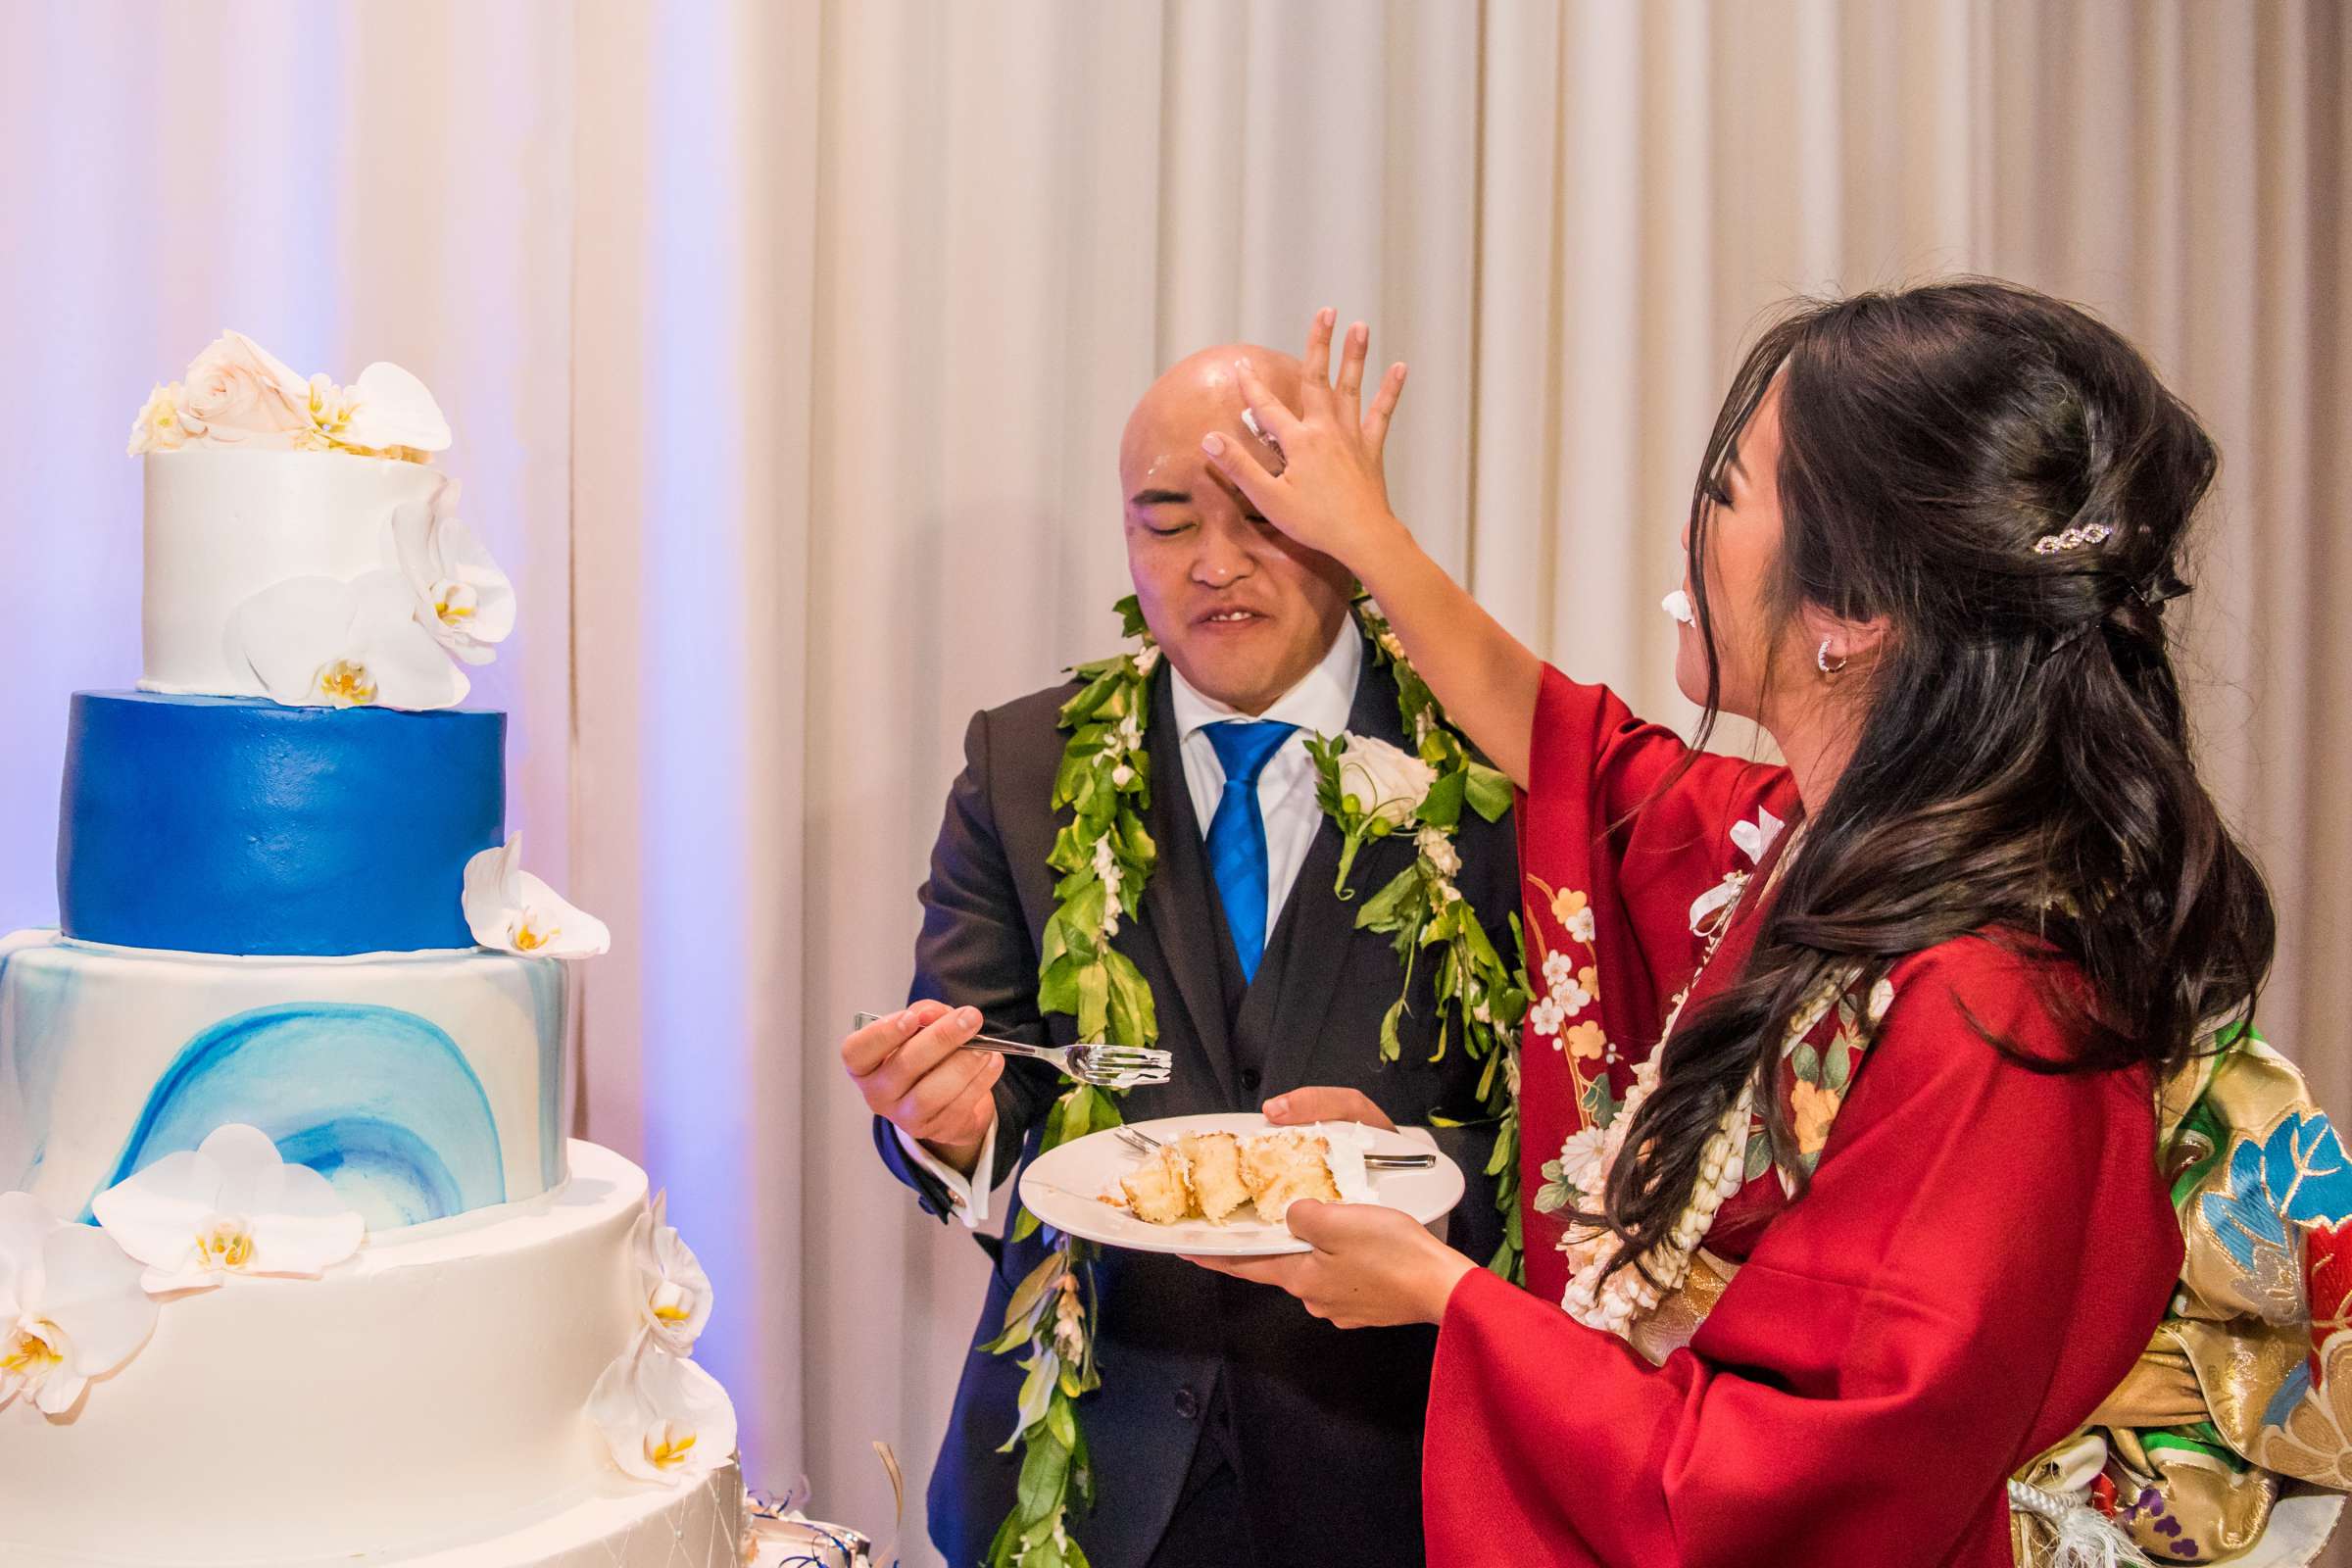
<point>1326,1422</point>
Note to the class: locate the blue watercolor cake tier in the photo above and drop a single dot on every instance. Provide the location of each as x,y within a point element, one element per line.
<point>236,825</point>
<point>422,1085</point>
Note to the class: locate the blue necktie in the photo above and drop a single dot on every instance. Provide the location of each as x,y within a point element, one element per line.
<point>1237,834</point>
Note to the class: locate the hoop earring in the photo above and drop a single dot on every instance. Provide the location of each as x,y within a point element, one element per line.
<point>1822,658</point>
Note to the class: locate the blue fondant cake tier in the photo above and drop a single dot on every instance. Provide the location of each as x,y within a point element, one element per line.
<point>207,824</point>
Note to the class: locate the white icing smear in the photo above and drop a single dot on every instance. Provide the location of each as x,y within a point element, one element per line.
<point>1678,605</point>
<point>1349,1141</point>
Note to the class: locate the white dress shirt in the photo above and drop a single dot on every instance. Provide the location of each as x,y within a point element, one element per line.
<point>1319,705</point>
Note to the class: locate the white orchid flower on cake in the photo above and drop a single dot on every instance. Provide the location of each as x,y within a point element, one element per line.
<point>673,1292</point>
<point>70,1306</point>
<point>230,1206</point>
<point>388,410</point>
<point>662,1418</point>
<point>316,642</point>
<point>508,910</point>
<point>463,597</point>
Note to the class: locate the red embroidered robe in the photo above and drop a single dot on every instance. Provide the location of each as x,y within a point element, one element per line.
<point>1980,1256</point>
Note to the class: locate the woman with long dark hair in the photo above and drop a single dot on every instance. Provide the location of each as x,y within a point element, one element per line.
<point>1843,1089</point>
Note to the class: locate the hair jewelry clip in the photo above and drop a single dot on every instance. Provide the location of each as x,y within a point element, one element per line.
<point>2090,534</point>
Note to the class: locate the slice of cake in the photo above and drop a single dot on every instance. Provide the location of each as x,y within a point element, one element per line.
<point>1211,1175</point>
<point>1159,1191</point>
<point>1215,1160</point>
<point>1282,1167</point>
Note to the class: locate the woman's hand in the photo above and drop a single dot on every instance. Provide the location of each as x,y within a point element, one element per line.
<point>1333,493</point>
<point>1301,1106</point>
<point>1371,1268</point>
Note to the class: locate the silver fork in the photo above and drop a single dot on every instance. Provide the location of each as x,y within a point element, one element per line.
<point>1104,1066</point>
<point>1142,1142</point>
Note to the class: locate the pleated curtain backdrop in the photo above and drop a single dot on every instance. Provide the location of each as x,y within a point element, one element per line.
<point>788,346</point>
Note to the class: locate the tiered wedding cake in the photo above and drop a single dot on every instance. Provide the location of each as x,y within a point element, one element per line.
<point>298,1265</point>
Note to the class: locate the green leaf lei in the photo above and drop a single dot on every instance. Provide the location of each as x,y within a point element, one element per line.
<point>1105,856</point>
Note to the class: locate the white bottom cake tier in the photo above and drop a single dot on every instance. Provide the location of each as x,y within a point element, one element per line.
<point>699,1524</point>
<point>424,1400</point>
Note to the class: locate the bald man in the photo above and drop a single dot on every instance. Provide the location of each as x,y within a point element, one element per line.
<point>1231,1428</point>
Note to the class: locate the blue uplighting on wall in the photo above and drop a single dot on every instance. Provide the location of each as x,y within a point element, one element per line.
<point>696,1031</point>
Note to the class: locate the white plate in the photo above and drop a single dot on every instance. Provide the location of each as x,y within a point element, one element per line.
<point>1062,1188</point>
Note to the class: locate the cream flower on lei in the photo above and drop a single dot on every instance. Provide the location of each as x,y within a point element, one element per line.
<point>1582,1170</point>
<point>70,1306</point>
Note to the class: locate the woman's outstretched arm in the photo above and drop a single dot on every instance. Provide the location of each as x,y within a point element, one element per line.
<point>1332,495</point>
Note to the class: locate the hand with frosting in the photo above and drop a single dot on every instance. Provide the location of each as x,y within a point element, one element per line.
<point>1331,493</point>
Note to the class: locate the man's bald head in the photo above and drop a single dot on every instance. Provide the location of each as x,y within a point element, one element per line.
<point>1243,612</point>
<point>1196,395</point>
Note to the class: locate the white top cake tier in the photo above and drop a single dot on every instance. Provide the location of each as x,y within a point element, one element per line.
<point>301,547</point>
<point>223,524</point>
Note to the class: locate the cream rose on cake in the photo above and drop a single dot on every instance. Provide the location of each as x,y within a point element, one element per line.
<point>238,393</point>
<point>661,1418</point>
<point>673,1292</point>
<point>511,910</point>
<point>230,1206</point>
<point>70,1306</point>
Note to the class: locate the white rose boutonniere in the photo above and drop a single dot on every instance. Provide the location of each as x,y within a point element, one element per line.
<point>1371,788</point>
<point>1385,783</point>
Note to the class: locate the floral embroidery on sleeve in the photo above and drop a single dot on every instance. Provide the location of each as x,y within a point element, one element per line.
<point>1570,989</point>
